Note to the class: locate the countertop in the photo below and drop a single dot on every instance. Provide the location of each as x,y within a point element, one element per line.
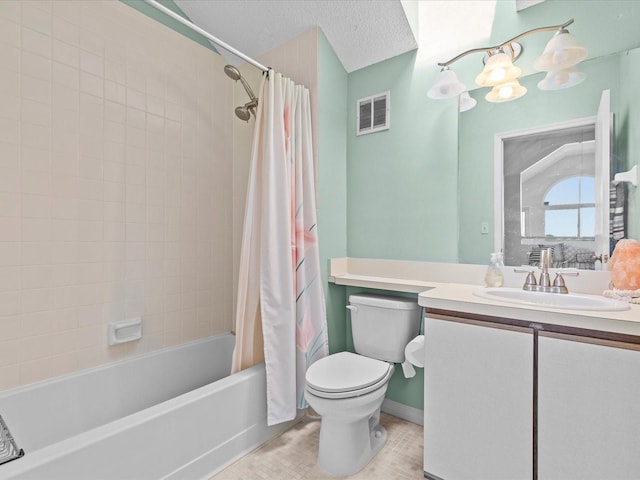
<point>459,297</point>
<point>450,287</point>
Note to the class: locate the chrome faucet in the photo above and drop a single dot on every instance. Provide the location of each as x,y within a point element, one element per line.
<point>545,285</point>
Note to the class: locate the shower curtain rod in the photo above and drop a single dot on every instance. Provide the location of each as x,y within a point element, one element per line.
<point>205,34</point>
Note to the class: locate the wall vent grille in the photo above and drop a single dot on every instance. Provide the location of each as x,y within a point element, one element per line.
<point>374,113</point>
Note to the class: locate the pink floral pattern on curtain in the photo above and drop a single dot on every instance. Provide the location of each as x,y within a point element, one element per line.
<point>280,295</point>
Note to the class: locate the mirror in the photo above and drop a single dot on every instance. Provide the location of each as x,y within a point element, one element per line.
<point>548,180</point>
<point>479,127</point>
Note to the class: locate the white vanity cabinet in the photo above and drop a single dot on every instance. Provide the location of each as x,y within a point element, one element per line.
<point>588,409</point>
<point>478,401</point>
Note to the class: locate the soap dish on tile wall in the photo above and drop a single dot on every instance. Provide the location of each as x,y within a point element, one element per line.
<point>125,331</point>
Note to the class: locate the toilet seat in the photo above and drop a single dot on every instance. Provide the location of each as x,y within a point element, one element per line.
<point>346,374</point>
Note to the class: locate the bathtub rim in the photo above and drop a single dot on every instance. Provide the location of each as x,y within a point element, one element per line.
<point>103,366</point>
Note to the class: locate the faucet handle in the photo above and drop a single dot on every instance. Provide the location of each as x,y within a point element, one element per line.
<point>530,282</point>
<point>559,285</point>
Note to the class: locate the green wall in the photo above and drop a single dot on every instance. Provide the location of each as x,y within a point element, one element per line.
<point>332,184</point>
<point>402,182</point>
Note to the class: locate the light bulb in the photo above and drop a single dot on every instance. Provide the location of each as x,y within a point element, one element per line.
<point>498,75</point>
<point>506,91</point>
<point>561,77</point>
<point>560,57</point>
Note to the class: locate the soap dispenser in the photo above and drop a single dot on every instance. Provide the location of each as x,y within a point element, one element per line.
<point>494,277</point>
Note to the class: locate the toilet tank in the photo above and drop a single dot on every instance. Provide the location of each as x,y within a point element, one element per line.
<point>383,325</point>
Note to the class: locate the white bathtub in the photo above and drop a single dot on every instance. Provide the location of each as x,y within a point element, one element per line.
<point>172,414</point>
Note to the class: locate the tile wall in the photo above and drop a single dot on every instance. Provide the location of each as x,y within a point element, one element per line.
<point>115,186</point>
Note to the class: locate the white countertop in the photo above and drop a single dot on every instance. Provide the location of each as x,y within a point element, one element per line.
<point>460,298</point>
<point>445,286</point>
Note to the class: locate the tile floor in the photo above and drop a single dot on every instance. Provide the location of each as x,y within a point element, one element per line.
<point>293,455</point>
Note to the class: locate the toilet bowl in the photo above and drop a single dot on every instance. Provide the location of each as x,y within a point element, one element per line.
<point>347,391</point>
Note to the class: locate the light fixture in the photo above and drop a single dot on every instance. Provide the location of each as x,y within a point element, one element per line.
<point>559,58</point>
<point>466,102</point>
<point>559,79</point>
<point>447,85</point>
<point>561,52</point>
<point>506,92</point>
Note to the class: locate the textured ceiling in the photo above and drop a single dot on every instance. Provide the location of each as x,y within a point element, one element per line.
<point>362,32</point>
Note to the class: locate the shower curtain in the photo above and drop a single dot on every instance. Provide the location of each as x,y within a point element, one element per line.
<point>280,314</point>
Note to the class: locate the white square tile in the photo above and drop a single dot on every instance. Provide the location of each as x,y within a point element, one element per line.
<point>36,89</point>
<point>9,131</point>
<point>33,253</point>
<point>36,230</point>
<point>66,54</point>
<point>36,42</point>
<point>9,204</point>
<point>91,84</point>
<point>35,206</point>
<point>36,66</point>
<point>90,230</point>
<point>65,31</point>
<point>36,159</point>
<point>37,19</point>
<point>114,191</point>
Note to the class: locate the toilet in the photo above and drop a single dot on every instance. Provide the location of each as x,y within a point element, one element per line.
<point>347,389</point>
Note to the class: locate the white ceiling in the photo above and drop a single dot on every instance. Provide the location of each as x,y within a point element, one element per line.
<point>361,32</point>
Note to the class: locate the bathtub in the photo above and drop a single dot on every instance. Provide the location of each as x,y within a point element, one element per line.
<point>172,414</point>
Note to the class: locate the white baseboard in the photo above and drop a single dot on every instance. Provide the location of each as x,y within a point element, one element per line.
<point>403,411</point>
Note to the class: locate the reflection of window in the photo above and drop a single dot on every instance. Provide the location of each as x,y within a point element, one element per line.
<point>570,208</point>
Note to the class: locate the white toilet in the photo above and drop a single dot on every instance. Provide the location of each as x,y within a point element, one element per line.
<point>347,389</point>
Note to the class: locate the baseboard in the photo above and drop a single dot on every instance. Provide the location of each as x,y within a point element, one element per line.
<point>403,411</point>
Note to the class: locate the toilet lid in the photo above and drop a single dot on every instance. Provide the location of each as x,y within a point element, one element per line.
<point>345,371</point>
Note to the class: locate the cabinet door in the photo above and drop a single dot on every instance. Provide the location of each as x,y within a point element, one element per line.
<point>588,411</point>
<point>478,402</point>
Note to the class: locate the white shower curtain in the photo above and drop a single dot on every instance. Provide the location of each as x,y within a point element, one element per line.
<point>281,314</point>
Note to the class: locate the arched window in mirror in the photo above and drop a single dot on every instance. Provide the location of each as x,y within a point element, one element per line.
<point>569,208</point>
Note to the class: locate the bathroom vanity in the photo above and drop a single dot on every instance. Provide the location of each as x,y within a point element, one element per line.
<point>529,393</point>
<point>518,391</point>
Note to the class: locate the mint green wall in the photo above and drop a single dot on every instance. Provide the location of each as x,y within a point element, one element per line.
<point>537,108</point>
<point>402,182</point>
<point>332,183</point>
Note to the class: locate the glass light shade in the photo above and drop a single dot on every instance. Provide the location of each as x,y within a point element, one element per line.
<point>466,102</point>
<point>506,92</point>
<point>498,69</point>
<point>561,52</point>
<point>447,86</point>
<point>559,79</point>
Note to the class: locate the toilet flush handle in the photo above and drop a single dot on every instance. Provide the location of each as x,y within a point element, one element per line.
<point>353,308</point>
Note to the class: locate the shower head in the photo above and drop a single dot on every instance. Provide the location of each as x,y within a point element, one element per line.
<point>244,112</point>
<point>232,72</point>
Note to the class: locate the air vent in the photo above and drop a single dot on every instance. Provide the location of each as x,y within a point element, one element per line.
<point>374,113</point>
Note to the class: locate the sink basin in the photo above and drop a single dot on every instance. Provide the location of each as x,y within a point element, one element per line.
<point>569,301</point>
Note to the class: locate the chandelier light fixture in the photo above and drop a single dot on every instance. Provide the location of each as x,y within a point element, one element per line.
<point>559,59</point>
